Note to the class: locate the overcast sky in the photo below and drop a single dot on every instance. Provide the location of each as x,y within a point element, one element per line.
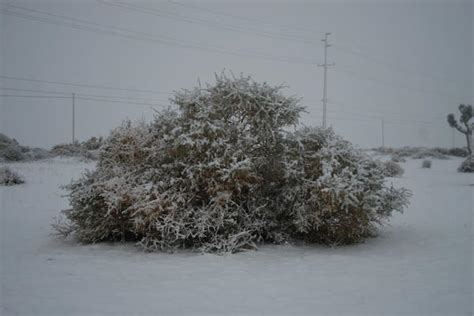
<point>408,62</point>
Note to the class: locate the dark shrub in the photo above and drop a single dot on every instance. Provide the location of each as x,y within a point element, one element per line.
<point>467,165</point>
<point>397,158</point>
<point>426,164</point>
<point>10,177</point>
<point>392,169</point>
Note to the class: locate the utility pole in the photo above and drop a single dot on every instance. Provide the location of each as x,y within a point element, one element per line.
<point>73,118</point>
<point>383,133</point>
<point>325,66</point>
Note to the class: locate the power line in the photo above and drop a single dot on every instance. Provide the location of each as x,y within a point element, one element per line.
<point>372,115</point>
<point>199,21</point>
<point>391,84</point>
<point>123,102</point>
<point>75,96</point>
<point>375,119</point>
<point>291,28</point>
<point>379,113</point>
<point>85,94</point>
<point>245,18</point>
<point>171,41</point>
<point>152,104</point>
<point>34,90</point>
<point>83,85</point>
<point>390,65</point>
<point>284,59</point>
<point>377,60</point>
<point>146,37</point>
<point>32,96</point>
<point>379,117</point>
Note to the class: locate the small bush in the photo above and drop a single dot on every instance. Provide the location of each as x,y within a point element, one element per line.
<point>93,143</point>
<point>421,152</point>
<point>37,154</point>
<point>222,174</point>
<point>392,169</point>
<point>10,177</point>
<point>398,158</point>
<point>67,150</point>
<point>467,165</point>
<point>458,152</point>
<point>12,153</point>
<point>429,153</point>
<point>71,150</point>
<point>426,164</point>
<point>88,149</point>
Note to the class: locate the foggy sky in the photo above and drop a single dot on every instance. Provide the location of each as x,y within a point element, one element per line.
<point>410,62</point>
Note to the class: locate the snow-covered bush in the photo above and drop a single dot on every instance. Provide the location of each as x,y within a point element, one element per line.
<point>88,149</point>
<point>12,153</point>
<point>467,165</point>
<point>71,150</point>
<point>392,169</point>
<point>429,153</point>
<point>422,152</point>
<point>426,164</point>
<point>67,149</point>
<point>458,152</point>
<point>11,150</point>
<point>93,143</point>
<point>398,158</point>
<point>37,154</point>
<point>222,174</point>
<point>337,194</point>
<point>10,177</point>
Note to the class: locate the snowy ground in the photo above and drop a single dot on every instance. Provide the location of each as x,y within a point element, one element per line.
<point>420,265</point>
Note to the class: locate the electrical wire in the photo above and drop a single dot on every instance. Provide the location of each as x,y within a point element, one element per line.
<point>199,21</point>
<point>146,37</point>
<point>83,85</point>
<point>84,94</point>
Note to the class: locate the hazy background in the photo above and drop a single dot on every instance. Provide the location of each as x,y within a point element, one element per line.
<point>410,62</point>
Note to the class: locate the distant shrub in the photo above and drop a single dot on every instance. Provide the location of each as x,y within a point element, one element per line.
<point>4,139</point>
<point>223,174</point>
<point>429,153</point>
<point>9,177</point>
<point>92,143</point>
<point>397,158</point>
<point>421,152</point>
<point>12,153</point>
<point>37,154</point>
<point>88,149</point>
<point>11,150</point>
<point>458,152</point>
<point>426,164</point>
<point>392,169</point>
<point>467,165</point>
<point>67,149</point>
<point>71,150</point>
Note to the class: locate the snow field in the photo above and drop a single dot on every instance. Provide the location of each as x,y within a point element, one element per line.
<point>419,265</point>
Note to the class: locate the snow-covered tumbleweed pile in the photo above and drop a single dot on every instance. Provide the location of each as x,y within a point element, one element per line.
<point>222,174</point>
